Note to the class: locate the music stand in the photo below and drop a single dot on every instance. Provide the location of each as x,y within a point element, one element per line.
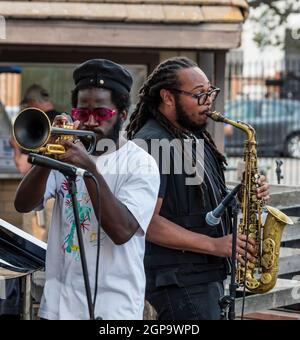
<point>21,255</point>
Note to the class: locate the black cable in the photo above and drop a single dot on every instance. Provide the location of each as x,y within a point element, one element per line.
<point>93,302</point>
<point>73,191</point>
<point>98,240</point>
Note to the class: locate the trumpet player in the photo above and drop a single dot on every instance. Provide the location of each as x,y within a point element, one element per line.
<point>128,196</point>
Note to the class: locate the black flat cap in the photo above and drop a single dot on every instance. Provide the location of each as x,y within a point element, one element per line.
<point>102,73</point>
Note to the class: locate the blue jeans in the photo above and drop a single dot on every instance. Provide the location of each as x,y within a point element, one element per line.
<point>197,302</point>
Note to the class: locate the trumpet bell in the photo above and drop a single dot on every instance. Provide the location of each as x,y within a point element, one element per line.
<point>31,129</point>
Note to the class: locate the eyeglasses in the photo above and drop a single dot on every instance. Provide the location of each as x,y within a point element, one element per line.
<point>201,97</point>
<point>100,114</point>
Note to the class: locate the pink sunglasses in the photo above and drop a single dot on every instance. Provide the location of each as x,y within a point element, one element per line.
<point>100,114</point>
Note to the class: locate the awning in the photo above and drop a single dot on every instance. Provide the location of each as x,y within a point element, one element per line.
<point>172,24</point>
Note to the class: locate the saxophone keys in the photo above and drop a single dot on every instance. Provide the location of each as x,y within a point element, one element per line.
<point>252,284</point>
<point>266,278</point>
<point>267,261</point>
<point>252,235</point>
<point>257,176</point>
<point>269,246</point>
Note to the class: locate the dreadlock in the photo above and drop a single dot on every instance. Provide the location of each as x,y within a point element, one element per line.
<point>163,77</point>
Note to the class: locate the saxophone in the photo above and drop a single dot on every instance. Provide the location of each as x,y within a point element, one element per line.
<point>261,276</point>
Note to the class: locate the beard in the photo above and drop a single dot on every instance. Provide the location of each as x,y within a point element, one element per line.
<point>114,132</point>
<point>113,135</point>
<point>184,120</point>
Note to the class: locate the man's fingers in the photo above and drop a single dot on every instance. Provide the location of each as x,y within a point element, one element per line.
<point>261,179</point>
<point>243,238</point>
<point>60,120</point>
<point>241,255</point>
<point>251,249</point>
<point>76,124</point>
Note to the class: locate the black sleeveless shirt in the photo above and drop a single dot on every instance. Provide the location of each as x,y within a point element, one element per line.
<point>187,206</point>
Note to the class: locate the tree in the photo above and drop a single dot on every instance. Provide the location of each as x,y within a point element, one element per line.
<point>271,18</point>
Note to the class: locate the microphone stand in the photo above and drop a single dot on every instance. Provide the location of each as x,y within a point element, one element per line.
<point>227,302</point>
<point>72,190</point>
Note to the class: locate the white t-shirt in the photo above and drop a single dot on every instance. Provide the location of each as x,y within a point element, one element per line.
<point>121,281</point>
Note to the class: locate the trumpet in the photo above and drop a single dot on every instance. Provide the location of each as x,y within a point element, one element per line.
<point>32,130</point>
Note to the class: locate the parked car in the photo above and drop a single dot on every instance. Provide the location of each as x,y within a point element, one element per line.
<point>276,122</point>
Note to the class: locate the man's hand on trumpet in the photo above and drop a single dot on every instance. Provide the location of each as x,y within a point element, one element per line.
<point>77,155</point>
<point>63,121</point>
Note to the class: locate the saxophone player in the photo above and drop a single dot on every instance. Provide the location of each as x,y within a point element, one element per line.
<point>186,260</point>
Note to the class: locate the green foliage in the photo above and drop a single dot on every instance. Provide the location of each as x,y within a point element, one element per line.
<point>270,18</point>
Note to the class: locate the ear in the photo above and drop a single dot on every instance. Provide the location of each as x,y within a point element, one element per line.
<point>167,97</point>
<point>124,115</point>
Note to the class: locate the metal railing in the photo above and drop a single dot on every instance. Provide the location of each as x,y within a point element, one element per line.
<point>267,96</point>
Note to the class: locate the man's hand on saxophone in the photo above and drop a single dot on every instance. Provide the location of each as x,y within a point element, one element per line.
<point>244,248</point>
<point>263,189</point>
<point>223,248</point>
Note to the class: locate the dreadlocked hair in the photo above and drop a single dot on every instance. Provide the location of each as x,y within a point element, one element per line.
<point>220,157</point>
<point>164,76</point>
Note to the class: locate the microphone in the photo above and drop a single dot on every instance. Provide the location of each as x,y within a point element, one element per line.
<point>214,217</point>
<point>64,168</point>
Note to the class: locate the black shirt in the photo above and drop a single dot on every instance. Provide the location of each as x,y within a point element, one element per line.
<point>185,205</point>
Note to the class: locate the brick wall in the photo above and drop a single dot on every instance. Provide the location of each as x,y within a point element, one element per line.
<point>7,193</point>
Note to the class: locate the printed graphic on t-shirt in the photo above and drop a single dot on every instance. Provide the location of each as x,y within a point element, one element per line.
<point>84,211</point>
<point>70,245</point>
